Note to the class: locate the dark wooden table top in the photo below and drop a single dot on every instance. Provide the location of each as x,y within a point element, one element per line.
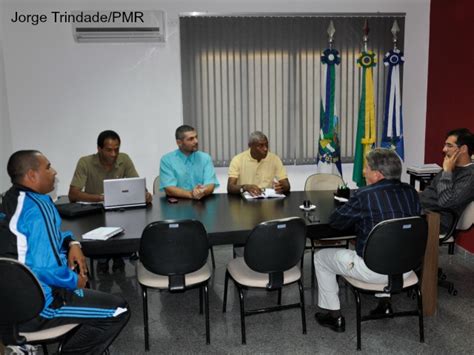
<point>228,219</point>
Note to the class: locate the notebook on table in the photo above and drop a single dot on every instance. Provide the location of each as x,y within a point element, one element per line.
<point>124,193</point>
<point>102,233</point>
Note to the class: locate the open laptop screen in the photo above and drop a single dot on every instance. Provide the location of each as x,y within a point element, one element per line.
<point>122,193</point>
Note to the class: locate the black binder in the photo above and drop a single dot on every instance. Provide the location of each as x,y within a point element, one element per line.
<point>71,210</point>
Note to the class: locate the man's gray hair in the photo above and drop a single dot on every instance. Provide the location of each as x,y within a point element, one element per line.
<point>386,161</point>
<point>256,137</point>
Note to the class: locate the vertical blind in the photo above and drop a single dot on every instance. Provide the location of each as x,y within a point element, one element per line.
<point>246,73</point>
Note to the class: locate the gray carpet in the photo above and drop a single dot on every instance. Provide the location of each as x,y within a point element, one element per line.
<point>176,326</point>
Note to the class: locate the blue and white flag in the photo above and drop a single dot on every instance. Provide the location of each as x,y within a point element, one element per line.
<point>392,136</point>
<point>329,152</point>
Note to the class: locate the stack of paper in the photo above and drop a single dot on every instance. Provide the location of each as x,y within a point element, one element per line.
<point>425,169</point>
<point>267,193</point>
<point>102,233</point>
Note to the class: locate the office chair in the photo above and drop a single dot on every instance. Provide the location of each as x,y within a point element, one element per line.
<point>458,224</point>
<point>156,191</point>
<point>324,182</point>
<point>270,261</point>
<point>173,257</point>
<point>393,247</point>
<point>156,185</point>
<point>22,299</point>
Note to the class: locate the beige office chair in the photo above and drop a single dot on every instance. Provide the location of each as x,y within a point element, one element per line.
<point>463,223</point>
<point>173,255</point>
<point>385,244</point>
<point>324,182</point>
<point>270,262</point>
<point>156,185</point>
<point>156,191</point>
<point>22,299</point>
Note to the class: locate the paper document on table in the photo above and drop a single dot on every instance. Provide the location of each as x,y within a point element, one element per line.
<point>102,233</point>
<point>267,193</point>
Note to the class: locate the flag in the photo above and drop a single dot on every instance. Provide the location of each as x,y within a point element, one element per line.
<point>365,138</point>
<point>329,151</point>
<point>392,136</point>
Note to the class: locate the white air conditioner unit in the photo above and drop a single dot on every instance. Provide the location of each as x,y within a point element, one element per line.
<point>118,26</point>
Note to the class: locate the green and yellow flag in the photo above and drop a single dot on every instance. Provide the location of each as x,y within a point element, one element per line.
<point>366,119</point>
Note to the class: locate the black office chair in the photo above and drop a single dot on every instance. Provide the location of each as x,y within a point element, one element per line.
<point>394,247</point>
<point>173,257</point>
<point>271,256</point>
<point>22,299</point>
<point>458,223</point>
<point>156,191</point>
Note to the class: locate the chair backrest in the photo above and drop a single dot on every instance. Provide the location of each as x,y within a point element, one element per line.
<point>467,218</point>
<point>275,246</point>
<point>21,298</point>
<point>174,248</point>
<point>396,246</point>
<point>156,185</point>
<point>323,182</point>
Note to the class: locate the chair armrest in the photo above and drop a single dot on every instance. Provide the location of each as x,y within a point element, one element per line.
<point>452,226</point>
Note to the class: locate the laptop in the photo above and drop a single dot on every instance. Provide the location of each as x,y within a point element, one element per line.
<point>124,193</point>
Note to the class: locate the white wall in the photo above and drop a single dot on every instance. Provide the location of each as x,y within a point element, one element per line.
<point>5,133</point>
<point>62,94</point>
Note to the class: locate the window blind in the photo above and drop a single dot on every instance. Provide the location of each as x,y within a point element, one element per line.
<point>247,73</point>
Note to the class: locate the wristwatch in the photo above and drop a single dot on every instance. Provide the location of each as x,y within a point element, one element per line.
<point>75,242</point>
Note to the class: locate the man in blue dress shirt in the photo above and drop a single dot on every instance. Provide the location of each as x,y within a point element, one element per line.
<point>187,172</point>
<point>385,197</point>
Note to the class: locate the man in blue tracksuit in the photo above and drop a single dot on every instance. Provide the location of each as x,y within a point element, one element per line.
<point>31,233</point>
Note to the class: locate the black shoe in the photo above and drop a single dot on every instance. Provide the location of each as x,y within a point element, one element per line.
<point>118,265</point>
<point>338,324</point>
<point>384,308</point>
<point>102,267</point>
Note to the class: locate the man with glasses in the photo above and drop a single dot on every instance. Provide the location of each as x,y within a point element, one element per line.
<point>453,187</point>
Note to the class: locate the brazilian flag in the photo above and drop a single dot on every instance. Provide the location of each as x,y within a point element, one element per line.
<point>365,138</point>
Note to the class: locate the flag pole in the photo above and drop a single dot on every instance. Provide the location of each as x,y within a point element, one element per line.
<point>395,29</point>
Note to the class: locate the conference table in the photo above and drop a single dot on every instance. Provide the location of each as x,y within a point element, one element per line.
<point>228,219</point>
